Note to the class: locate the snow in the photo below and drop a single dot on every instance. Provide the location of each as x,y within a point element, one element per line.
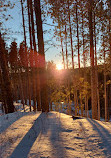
<point>53,135</point>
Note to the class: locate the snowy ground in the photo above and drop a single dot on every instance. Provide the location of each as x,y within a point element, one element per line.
<point>53,135</point>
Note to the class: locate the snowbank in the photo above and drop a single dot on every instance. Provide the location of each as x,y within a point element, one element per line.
<point>53,135</point>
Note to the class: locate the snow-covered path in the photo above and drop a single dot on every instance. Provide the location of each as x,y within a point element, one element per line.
<point>54,135</point>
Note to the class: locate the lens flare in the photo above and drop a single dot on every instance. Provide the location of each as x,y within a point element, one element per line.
<point>59,67</point>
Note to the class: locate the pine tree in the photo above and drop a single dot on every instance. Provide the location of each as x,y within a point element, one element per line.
<point>5,76</point>
<point>28,95</point>
<point>93,85</point>
<point>37,83</point>
<point>96,68</point>
<point>13,66</point>
<point>62,48</point>
<point>66,46</point>
<point>3,94</point>
<point>78,34</point>
<point>44,97</point>
<point>70,27</point>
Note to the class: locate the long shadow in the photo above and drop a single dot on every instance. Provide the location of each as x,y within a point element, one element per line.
<point>11,121</point>
<point>42,125</point>
<point>23,148</point>
<point>53,125</point>
<point>105,137</point>
<point>56,140</point>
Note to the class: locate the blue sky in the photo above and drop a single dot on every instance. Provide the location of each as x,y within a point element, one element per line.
<point>15,25</point>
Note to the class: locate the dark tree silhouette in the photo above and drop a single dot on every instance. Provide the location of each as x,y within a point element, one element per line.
<point>6,80</point>
<point>44,97</point>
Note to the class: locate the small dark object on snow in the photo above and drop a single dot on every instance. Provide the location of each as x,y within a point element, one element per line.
<point>76,117</point>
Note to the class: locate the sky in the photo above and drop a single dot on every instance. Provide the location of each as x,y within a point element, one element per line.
<point>15,25</point>
<point>52,53</point>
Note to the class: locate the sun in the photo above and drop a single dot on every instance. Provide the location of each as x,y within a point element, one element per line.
<point>59,66</point>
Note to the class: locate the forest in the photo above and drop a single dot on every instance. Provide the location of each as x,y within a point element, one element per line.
<point>82,31</point>
<point>55,78</point>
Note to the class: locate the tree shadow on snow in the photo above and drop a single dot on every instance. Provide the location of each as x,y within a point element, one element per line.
<point>58,149</point>
<point>104,135</point>
<point>42,125</point>
<point>23,148</point>
<point>11,118</point>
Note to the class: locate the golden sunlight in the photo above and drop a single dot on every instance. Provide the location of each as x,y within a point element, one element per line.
<point>59,66</point>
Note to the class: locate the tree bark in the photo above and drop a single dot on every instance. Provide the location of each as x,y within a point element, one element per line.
<point>66,46</point>
<point>25,83</point>
<point>44,97</point>
<point>36,60</point>
<point>71,36</point>
<point>93,85</point>
<point>77,33</point>
<point>105,89</point>
<point>62,49</point>
<point>96,71</point>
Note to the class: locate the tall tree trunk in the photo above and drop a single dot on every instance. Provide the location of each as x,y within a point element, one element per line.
<point>105,90</point>
<point>24,83</point>
<point>44,97</point>
<point>110,29</point>
<point>32,24</point>
<point>62,49</point>
<point>69,15</point>
<point>77,33</point>
<point>32,59</point>
<point>32,45</point>
<point>21,87</point>
<point>36,60</point>
<point>96,71</point>
<point>93,85</point>
<point>84,62</point>
<point>23,22</point>
<point>66,46</point>
<point>83,41</point>
<point>29,21</point>
<point>110,52</point>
